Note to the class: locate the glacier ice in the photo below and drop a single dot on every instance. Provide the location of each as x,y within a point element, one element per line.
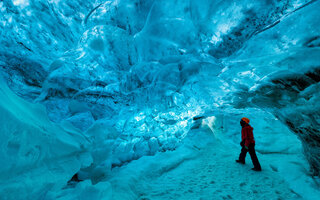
<point>35,151</point>
<point>100,88</point>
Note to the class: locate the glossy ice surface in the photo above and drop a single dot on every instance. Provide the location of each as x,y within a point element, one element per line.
<point>126,93</point>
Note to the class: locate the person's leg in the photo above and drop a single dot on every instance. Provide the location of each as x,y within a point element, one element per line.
<point>242,156</point>
<point>254,157</point>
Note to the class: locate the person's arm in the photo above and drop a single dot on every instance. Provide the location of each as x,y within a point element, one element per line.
<point>244,137</point>
<point>249,137</point>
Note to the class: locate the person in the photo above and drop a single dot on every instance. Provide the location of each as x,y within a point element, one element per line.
<point>248,144</point>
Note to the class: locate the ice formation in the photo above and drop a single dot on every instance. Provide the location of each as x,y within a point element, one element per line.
<point>120,92</point>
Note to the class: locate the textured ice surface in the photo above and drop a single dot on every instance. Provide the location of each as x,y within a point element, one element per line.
<point>134,77</point>
<point>36,155</point>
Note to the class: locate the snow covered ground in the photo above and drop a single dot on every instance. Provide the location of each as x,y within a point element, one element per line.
<point>204,168</point>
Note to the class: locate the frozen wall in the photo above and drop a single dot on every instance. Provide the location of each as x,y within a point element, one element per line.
<point>132,75</point>
<point>36,155</point>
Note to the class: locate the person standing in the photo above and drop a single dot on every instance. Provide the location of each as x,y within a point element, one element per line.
<point>248,144</point>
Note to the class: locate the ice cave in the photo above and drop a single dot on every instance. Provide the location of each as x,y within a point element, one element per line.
<point>142,99</point>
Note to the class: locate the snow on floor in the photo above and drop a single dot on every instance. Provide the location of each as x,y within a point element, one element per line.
<point>207,170</point>
<point>215,175</point>
<point>202,168</point>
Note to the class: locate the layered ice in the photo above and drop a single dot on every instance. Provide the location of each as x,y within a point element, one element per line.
<point>36,156</point>
<point>96,86</point>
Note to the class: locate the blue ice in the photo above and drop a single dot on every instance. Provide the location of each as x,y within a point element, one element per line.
<point>141,99</point>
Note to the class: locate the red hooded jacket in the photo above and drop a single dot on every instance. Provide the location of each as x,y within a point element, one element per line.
<point>247,135</point>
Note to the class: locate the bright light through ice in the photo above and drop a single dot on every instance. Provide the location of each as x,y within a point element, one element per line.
<point>140,117</point>
<point>183,123</point>
<point>215,39</point>
<point>22,3</point>
<point>210,122</point>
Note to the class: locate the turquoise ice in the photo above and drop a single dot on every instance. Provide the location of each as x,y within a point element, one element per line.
<point>141,99</point>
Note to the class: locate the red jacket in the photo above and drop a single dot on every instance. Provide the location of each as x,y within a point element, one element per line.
<point>247,135</point>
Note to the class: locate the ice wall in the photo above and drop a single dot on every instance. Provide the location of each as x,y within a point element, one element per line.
<point>37,156</point>
<point>132,75</point>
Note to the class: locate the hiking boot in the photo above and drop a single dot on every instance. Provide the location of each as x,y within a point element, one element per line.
<point>256,169</point>
<point>239,161</point>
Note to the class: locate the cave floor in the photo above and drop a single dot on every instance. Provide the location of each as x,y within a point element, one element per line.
<point>204,168</point>
<point>216,175</point>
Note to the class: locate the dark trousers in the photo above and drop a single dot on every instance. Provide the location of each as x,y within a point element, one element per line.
<point>252,152</point>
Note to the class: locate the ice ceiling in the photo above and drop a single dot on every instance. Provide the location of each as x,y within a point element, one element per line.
<point>132,75</point>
